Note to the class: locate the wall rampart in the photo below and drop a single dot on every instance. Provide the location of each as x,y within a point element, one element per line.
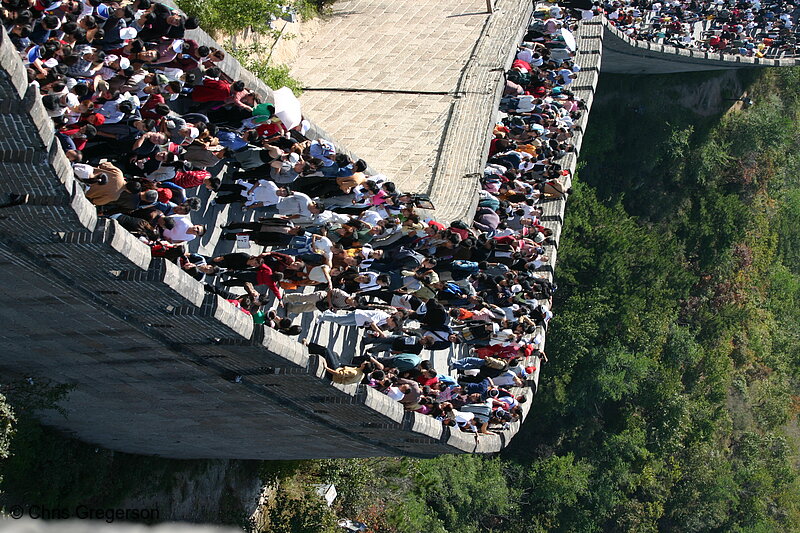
<point>159,366</point>
<point>623,55</point>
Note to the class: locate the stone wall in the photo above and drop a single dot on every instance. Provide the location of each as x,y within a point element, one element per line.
<point>151,356</point>
<point>623,55</point>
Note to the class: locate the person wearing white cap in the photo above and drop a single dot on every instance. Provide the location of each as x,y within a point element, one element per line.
<point>128,33</point>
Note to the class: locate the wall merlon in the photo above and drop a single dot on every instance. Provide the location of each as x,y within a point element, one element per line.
<point>123,242</point>
<point>383,404</point>
<point>83,208</point>
<point>10,63</point>
<point>39,115</point>
<point>227,314</point>
<point>286,348</point>
<point>423,424</point>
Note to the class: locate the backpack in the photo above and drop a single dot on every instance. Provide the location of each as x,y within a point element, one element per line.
<point>462,269</point>
<point>518,77</point>
<point>462,265</point>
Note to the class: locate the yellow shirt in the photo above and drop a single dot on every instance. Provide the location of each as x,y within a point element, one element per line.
<point>347,375</point>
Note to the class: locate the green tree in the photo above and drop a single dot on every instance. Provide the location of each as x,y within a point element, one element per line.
<point>233,16</point>
<point>7,420</point>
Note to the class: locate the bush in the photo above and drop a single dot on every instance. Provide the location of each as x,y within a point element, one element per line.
<point>233,16</point>
<point>275,76</point>
<point>6,428</point>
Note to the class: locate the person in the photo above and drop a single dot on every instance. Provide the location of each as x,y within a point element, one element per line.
<point>413,344</point>
<point>370,318</point>
<point>262,275</point>
<point>263,193</point>
<point>330,300</point>
<point>183,229</point>
<point>292,205</point>
<point>348,375</point>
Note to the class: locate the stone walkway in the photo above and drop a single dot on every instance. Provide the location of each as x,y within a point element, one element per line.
<point>411,87</point>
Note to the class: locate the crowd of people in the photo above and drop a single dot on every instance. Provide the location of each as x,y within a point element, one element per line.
<point>147,119</point>
<point>749,28</point>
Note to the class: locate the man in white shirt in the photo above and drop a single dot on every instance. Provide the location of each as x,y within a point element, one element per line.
<point>372,318</point>
<point>508,378</point>
<point>183,230</point>
<point>263,193</point>
<point>321,216</point>
<point>295,205</point>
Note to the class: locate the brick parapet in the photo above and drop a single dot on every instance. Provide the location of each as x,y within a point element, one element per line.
<point>625,55</point>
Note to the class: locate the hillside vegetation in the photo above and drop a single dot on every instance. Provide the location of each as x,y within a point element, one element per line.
<point>671,399</point>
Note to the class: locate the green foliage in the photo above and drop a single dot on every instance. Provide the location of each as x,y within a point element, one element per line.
<point>233,16</point>
<point>555,485</point>
<point>767,484</point>
<point>7,420</point>
<point>31,395</point>
<point>309,9</point>
<point>297,508</point>
<point>788,222</point>
<point>275,76</point>
<point>454,493</point>
<point>356,479</point>
<point>703,493</point>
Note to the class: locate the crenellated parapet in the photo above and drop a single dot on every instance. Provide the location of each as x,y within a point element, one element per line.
<point>624,55</point>
<point>160,366</point>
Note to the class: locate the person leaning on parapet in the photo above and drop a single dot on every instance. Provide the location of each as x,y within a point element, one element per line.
<point>131,198</point>
<point>347,375</point>
<point>105,182</point>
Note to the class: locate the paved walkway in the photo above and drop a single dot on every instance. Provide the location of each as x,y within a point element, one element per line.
<point>411,87</point>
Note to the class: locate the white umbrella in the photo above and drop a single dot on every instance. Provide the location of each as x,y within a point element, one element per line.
<point>569,39</point>
<point>287,107</point>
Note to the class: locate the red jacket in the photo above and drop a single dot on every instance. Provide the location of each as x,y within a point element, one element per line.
<point>264,277</point>
<point>212,91</point>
